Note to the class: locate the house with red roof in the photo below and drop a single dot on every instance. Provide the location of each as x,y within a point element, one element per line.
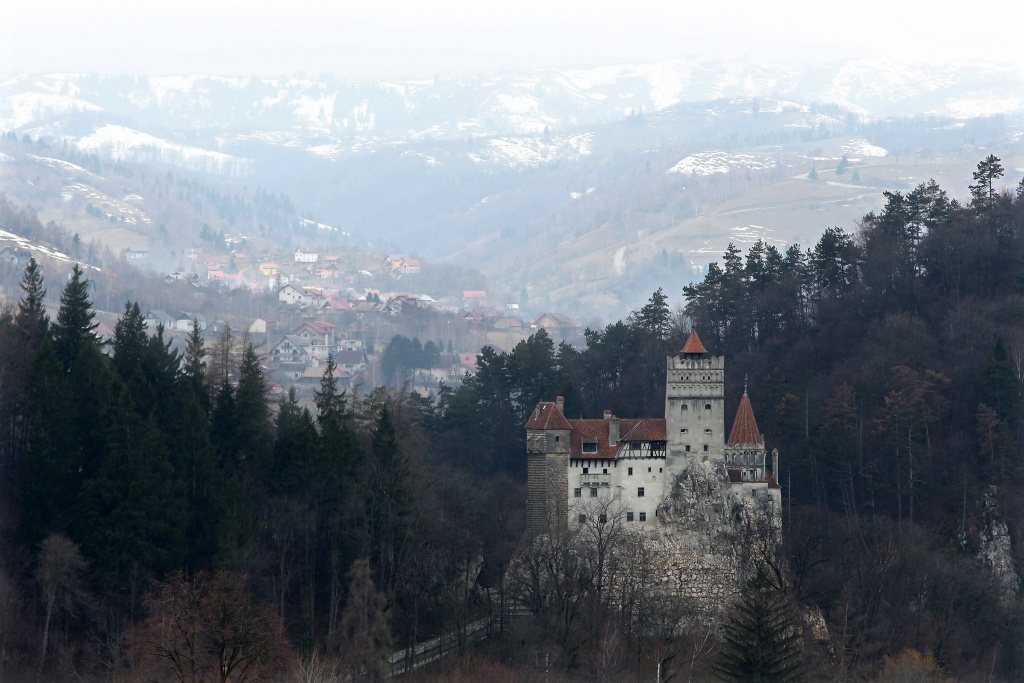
<point>629,465</point>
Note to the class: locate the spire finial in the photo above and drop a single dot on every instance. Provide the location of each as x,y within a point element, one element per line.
<point>744,383</point>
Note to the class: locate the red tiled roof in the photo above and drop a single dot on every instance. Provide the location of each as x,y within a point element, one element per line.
<point>643,430</point>
<point>772,484</point>
<point>693,344</point>
<point>744,429</point>
<point>547,416</point>
<point>591,431</point>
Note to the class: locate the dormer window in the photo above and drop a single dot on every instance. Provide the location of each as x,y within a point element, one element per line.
<point>590,447</point>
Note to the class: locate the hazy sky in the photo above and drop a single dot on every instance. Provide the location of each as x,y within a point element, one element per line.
<point>384,39</point>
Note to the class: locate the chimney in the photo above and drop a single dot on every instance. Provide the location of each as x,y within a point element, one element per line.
<point>560,403</point>
<point>607,414</point>
<point>536,411</point>
<point>775,465</point>
<point>613,430</point>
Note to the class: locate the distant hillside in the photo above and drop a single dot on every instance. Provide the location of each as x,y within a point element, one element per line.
<point>578,188</point>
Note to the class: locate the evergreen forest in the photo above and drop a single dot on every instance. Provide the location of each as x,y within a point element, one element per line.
<point>162,518</point>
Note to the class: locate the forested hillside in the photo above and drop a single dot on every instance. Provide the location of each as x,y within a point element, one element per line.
<point>142,488</point>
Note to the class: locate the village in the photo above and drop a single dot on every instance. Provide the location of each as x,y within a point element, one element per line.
<point>321,305</point>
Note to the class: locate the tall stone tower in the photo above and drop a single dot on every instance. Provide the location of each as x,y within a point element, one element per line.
<point>694,406</point>
<point>547,467</point>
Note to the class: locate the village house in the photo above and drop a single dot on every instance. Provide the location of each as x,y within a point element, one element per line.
<point>306,256</point>
<point>268,269</point>
<point>183,321</point>
<point>155,318</point>
<point>134,253</point>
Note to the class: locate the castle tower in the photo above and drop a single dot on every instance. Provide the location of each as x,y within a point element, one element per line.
<point>547,467</point>
<point>746,456</point>
<point>694,406</point>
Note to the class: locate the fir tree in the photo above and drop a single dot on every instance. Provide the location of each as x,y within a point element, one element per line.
<point>760,641</point>
<point>74,328</point>
<point>31,318</point>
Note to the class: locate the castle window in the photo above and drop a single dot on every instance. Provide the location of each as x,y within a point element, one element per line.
<point>684,430</point>
<point>705,448</point>
<point>593,493</point>
<point>684,407</point>
<point>583,519</point>
<point>630,473</point>
<point>648,469</point>
<point>602,518</point>
<point>687,448</point>
<point>659,470</point>
<point>604,471</point>
<point>577,493</point>
<point>707,431</point>
<point>586,470</point>
<point>629,516</point>
<point>556,438</point>
<point>643,516</point>
<point>590,447</point>
<point>707,406</point>
<point>640,492</point>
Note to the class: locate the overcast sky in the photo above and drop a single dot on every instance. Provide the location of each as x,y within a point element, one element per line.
<point>391,39</point>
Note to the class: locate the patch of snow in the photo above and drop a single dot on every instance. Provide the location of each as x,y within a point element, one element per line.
<point>980,105</point>
<point>22,109</point>
<point>122,143</point>
<point>319,226</point>
<point>5,157</point>
<point>863,148</point>
<point>716,161</point>
<point>23,243</point>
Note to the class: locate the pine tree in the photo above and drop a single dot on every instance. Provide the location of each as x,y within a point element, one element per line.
<point>74,328</point>
<point>983,192</point>
<point>760,642</point>
<point>194,367</point>
<point>31,318</point>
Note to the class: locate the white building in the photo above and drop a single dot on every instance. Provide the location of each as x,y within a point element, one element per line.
<point>306,256</point>
<point>573,464</point>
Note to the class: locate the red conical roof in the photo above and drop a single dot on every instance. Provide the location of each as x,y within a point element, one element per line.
<point>693,344</point>
<point>744,429</point>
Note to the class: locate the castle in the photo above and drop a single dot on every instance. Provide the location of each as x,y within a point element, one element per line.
<point>628,467</point>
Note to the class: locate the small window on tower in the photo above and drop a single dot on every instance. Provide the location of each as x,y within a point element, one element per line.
<point>602,518</point>
<point>687,448</point>
<point>604,471</point>
<point>630,473</point>
<point>593,493</point>
<point>640,492</point>
<point>585,470</point>
<point>629,516</point>
<point>705,448</point>
<point>643,516</point>
<point>556,438</point>
<point>684,430</point>
<point>707,431</point>
<point>583,519</point>
<point>707,406</point>
<point>684,407</point>
<point>577,493</point>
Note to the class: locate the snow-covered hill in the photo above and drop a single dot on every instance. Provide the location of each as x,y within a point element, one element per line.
<point>201,122</point>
